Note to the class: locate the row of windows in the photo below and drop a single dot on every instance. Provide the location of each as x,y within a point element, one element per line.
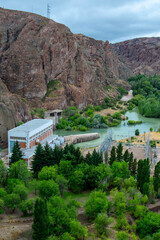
<point>40,133</point>
<point>18,138</point>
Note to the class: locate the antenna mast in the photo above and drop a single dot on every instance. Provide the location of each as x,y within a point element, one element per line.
<point>48,11</point>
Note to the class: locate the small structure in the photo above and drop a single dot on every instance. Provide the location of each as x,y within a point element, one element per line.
<point>54,115</point>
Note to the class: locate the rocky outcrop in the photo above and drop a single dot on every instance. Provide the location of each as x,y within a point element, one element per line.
<point>12,111</point>
<point>35,50</point>
<point>141,55</point>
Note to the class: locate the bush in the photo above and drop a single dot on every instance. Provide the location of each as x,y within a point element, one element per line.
<point>27,206</point>
<point>82,128</point>
<point>97,203</point>
<point>48,188</point>
<point>102,221</point>
<point>122,235</point>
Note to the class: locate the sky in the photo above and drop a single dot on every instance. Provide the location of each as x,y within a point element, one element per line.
<point>112,20</point>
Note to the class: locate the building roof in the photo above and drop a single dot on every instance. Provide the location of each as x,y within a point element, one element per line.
<point>31,126</point>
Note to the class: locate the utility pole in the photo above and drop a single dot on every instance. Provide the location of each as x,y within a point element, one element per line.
<point>48,11</point>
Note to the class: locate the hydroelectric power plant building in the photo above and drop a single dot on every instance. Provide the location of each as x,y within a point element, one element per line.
<point>29,135</point>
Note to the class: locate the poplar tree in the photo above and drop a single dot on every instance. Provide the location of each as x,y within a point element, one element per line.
<point>119,152</point>
<point>134,168</point>
<point>16,153</point>
<point>143,173</point>
<point>40,221</point>
<point>130,161</point>
<point>126,156</point>
<point>112,156</point>
<point>156,177</point>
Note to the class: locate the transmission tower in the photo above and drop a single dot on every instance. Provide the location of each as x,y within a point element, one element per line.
<point>48,10</point>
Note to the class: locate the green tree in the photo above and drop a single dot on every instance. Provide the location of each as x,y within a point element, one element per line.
<point>60,216</point>
<point>143,173</point>
<point>112,156</point>
<point>3,173</point>
<point>102,221</point>
<point>27,206</point>
<point>47,173</point>
<point>12,201</point>
<point>130,162</point>
<point>76,181</point>
<point>120,169</point>
<point>65,168</point>
<point>2,206</point>
<point>48,188</point>
<point>21,190</point>
<point>77,230</point>
<point>119,151</point>
<point>16,153</point>
<point>126,156</point>
<point>40,221</point>
<point>20,170</point>
<point>122,235</point>
<point>63,184</point>
<point>38,160</point>
<point>67,236</point>
<point>97,203</point>
<point>156,177</point>
<point>149,224</point>
<point>137,132</point>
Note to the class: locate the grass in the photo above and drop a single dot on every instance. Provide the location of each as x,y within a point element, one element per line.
<point>80,197</point>
<point>52,86</point>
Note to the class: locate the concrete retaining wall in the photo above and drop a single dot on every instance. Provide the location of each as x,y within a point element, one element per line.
<point>81,138</point>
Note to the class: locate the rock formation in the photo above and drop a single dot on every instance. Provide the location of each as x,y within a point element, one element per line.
<point>12,111</point>
<point>141,55</point>
<point>35,50</point>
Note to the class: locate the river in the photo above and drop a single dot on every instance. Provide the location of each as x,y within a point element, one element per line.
<point>119,132</point>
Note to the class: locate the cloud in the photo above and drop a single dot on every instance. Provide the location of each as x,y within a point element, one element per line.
<point>113,20</point>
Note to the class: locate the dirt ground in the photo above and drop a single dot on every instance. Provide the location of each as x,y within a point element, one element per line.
<point>12,227</point>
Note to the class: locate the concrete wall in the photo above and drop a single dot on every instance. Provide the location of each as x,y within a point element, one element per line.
<point>81,138</point>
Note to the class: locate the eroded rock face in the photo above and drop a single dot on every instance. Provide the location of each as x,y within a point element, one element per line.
<point>35,50</point>
<point>141,55</point>
<point>12,111</point>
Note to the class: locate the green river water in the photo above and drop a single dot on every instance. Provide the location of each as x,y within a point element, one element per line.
<point>119,132</point>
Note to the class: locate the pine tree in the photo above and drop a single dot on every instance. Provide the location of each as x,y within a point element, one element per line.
<point>47,155</point>
<point>38,160</point>
<point>112,156</point>
<point>156,177</point>
<point>40,221</point>
<point>88,158</point>
<point>16,153</point>
<point>119,152</point>
<point>96,158</point>
<point>126,156</point>
<point>130,161</point>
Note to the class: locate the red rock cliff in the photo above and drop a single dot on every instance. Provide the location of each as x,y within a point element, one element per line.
<point>35,50</point>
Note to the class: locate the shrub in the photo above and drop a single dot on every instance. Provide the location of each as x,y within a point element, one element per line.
<point>97,203</point>
<point>48,188</point>
<point>102,221</point>
<point>122,235</point>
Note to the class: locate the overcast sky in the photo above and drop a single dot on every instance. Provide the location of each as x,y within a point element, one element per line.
<point>113,20</point>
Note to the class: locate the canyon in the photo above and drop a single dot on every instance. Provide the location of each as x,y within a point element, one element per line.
<point>36,51</point>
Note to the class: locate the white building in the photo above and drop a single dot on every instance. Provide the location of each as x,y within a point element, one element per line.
<point>29,135</point>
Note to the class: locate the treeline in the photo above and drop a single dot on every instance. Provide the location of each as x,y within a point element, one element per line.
<point>120,187</point>
<point>146,91</point>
